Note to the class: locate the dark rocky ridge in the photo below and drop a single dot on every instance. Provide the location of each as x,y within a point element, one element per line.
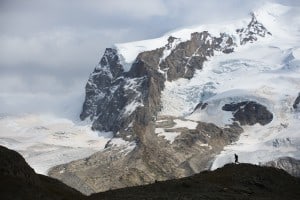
<point>19,181</point>
<point>242,181</point>
<point>296,102</point>
<point>249,113</point>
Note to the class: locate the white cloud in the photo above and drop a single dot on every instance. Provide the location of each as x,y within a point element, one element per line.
<point>139,9</point>
<point>48,48</point>
<point>54,48</point>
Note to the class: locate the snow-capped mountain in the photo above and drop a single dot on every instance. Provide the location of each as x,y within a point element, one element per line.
<point>191,99</point>
<point>185,102</point>
<point>117,95</point>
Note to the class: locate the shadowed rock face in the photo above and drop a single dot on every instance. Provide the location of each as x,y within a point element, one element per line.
<point>249,113</point>
<point>296,102</point>
<point>115,99</point>
<point>127,102</point>
<point>253,30</point>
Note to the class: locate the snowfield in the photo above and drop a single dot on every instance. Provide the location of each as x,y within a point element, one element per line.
<point>266,71</point>
<point>46,141</point>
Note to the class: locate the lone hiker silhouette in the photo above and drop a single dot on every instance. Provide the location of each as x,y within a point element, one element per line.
<point>236,159</point>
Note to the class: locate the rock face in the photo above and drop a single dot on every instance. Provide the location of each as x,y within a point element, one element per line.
<point>127,102</point>
<point>253,30</point>
<point>115,99</point>
<point>290,165</point>
<point>190,55</point>
<point>19,181</point>
<point>249,113</point>
<point>296,102</point>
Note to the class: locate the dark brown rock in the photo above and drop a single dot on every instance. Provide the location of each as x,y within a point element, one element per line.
<point>249,113</point>
<point>296,102</point>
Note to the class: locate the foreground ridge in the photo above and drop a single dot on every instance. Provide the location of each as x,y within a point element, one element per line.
<point>233,181</point>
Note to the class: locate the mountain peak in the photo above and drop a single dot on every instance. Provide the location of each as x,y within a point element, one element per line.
<point>178,100</point>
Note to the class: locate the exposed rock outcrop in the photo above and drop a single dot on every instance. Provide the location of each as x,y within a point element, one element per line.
<point>190,55</point>
<point>252,31</point>
<point>249,113</point>
<point>296,102</point>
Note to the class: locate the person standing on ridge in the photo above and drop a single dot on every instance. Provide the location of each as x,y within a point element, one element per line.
<point>236,159</point>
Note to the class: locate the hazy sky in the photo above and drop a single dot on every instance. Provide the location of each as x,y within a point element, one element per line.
<point>48,48</point>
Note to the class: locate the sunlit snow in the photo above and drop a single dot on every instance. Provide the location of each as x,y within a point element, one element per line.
<point>46,141</point>
<point>266,71</point>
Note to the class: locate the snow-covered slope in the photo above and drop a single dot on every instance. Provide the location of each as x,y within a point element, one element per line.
<point>46,141</point>
<point>267,72</point>
<point>269,15</point>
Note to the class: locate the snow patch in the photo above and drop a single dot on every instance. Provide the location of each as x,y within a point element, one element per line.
<point>185,123</point>
<point>170,136</point>
<point>130,108</point>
